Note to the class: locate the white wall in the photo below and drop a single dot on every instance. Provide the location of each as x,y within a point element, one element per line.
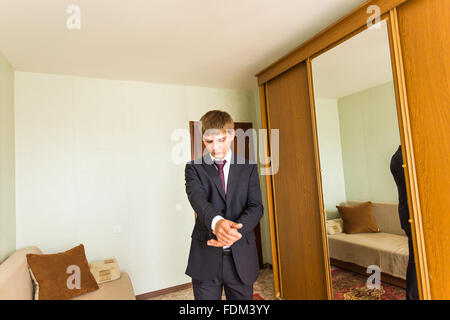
<point>329,138</point>
<point>7,174</point>
<point>93,153</point>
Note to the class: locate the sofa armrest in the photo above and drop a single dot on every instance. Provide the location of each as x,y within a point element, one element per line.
<point>15,280</point>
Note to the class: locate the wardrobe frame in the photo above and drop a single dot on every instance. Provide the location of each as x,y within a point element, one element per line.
<point>343,29</point>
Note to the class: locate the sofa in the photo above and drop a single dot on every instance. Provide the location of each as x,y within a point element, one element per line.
<point>387,249</point>
<point>16,282</point>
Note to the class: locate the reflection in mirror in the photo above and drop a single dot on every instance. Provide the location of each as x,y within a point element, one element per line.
<point>358,133</point>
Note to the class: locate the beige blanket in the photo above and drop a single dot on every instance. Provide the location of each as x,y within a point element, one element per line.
<point>386,250</point>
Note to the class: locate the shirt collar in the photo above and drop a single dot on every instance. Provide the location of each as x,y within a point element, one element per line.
<point>227,157</point>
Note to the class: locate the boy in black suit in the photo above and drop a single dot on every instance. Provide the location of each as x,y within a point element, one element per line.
<point>224,191</point>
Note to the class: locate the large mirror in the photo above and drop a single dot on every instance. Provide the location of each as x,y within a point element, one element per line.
<point>359,147</point>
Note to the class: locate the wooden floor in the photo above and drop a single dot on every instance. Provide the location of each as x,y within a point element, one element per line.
<point>263,286</point>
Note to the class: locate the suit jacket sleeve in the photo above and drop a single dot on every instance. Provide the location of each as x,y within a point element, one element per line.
<point>254,210</point>
<point>197,197</point>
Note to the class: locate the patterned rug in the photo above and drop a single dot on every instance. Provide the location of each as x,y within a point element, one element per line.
<point>257,296</point>
<point>348,285</point>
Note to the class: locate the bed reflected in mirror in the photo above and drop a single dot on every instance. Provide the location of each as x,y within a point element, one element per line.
<point>358,133</point>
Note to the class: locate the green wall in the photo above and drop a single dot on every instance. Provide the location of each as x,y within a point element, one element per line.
<point>330,151</point>
<point>358,134</point>
<point>369,137</point>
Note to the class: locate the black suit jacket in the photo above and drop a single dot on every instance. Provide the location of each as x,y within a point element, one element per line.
<point>398,172</point>
<point>242,204</point>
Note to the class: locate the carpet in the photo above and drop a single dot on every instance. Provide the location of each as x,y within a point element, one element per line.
<point>348,285</point>
<point>257,296</point>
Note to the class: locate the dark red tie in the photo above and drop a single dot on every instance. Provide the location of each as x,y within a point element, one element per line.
<point>220,165</point>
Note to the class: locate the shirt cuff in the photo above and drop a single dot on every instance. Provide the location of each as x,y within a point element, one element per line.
<point>214,221</point>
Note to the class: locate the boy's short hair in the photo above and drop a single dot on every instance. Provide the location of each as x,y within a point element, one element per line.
<point>216,121</point>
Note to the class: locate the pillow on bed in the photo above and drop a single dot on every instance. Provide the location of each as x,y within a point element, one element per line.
<point>105,270</point>
<point>358,219</point>
<point>335,226</point>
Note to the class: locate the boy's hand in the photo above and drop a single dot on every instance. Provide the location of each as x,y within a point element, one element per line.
<point>226,233</point>
<point>215,243</point>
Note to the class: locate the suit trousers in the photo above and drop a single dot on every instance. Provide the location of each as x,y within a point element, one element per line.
<point>227,279</point>
<point>412,291</point>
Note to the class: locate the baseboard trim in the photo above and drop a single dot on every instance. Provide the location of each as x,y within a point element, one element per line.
<point>156,293</point>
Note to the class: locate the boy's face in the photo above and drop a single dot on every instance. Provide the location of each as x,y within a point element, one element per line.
<point>218,144</point>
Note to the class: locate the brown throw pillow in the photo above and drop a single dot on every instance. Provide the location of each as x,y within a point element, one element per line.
<point>61,275</point>
<point>358,219</point>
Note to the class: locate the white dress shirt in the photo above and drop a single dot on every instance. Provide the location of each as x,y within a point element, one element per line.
<point>226,170</point>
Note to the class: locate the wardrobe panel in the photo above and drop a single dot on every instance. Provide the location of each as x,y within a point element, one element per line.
<point>297,210</point>
<point>424,27</point>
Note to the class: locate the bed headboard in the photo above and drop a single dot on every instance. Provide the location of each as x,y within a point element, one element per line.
<point>386,216</point>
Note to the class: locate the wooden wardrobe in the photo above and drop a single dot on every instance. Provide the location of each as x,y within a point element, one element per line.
<point>419,35</point>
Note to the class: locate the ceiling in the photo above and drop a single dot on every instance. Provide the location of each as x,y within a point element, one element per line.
<point>209,43</point>
<point>359,63</point>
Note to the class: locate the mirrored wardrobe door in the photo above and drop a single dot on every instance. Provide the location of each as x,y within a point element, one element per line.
<point>360,163</point>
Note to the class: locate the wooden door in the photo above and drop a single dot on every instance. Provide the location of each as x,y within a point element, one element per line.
<point>300,242</point>
<point>424,27</point>
<point>248,153</point>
